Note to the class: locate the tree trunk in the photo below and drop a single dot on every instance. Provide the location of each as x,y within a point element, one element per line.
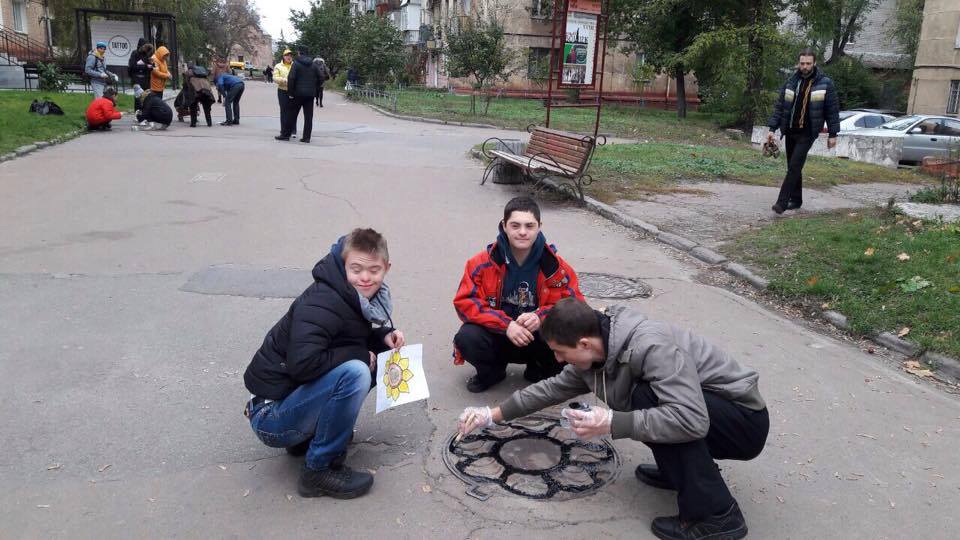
<point>679,72</point>
<point>748,111</point>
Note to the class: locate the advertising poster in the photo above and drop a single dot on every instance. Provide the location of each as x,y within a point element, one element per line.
<point>579,49</point>
<point>120,36</point>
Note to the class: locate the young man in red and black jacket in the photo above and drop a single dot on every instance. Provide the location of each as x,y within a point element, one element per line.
<point>506,292</point>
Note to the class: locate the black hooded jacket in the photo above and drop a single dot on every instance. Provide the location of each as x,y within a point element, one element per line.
<point>323,328</point>
<point>305,78</point>
<point>139,73</point>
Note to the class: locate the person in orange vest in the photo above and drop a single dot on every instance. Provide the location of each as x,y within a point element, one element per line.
<point>103,110</point>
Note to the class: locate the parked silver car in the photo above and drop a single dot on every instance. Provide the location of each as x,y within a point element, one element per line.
<point>857,120</point>
<point>923,135</point>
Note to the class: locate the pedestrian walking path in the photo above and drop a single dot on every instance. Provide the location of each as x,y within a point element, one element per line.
<point>122,368</point>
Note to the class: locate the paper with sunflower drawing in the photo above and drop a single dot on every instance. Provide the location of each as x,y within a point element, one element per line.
<point>400,377</point>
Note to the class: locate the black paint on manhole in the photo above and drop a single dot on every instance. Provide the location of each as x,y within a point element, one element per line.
<point>533,457</point>
<point>598,285</point>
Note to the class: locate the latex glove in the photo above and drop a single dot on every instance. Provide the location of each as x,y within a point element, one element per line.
<point>482,417</point>
<point>589,424</point>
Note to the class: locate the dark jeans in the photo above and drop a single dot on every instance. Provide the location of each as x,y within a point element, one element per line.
<point>295,104</point>
<point>798,145</point>
<point>195,111</point>
<point>490,352</point>
<point>283,99</point>
<point>735,433</point>
<point>320,96</point>
<point>321,411</point>
<point>231,102</point>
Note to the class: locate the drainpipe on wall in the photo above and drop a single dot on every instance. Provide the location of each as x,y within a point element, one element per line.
<point>46,18</point>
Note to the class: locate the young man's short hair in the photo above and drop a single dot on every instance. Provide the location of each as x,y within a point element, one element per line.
<point>569,321</point>
<point>366,241</point>
<point>808,52</point>
<point>109,92</point>
<point>521,204</point>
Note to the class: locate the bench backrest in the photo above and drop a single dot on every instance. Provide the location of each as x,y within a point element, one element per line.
<point>568,149</point>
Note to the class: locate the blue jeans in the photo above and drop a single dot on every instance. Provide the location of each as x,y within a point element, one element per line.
<point>323,410</point>
<point>231,102</point>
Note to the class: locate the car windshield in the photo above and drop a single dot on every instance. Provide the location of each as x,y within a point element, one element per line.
<point>846,114</point>
<point>901,124</point>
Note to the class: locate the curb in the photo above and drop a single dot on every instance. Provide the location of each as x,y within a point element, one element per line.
<point>944,365</point>
<point>427,120</point>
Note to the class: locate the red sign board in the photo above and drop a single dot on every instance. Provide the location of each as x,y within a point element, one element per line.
<point>584,6</point>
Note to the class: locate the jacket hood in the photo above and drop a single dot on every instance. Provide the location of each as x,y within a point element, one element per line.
<point>162,53</point>
<point>623,324</point>
<point>304,60</point>
<point>536,250</point>
<point>330,271</point>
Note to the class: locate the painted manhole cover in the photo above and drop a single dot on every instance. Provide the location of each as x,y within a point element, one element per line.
<point>533,457</point>
<point>596,285</point>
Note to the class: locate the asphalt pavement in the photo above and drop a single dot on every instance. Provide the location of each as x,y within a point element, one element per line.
<point>139,271</point>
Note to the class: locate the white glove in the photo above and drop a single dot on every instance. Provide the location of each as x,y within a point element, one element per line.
<point>589,424</point>
<point>480,417</point>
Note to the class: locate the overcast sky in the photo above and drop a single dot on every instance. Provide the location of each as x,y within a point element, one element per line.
<point>275,15</point>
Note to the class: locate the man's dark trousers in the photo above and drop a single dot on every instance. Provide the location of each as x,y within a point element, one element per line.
<point>798,146</point>
<point>735,433</point>
<point>231,102</point>
<point>296,103</point>
<point>490,352</point>
<point>283,99</point>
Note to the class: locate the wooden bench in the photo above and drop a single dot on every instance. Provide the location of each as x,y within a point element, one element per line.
<point>549,153</point>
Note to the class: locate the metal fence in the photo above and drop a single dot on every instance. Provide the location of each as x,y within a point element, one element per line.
<point>381,97</point>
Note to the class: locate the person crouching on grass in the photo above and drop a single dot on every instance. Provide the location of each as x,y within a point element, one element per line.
<point>103,110</point>
<point>309,378</point>
<point>687,400</point>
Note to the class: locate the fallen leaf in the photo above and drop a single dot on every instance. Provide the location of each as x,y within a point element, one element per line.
<point>904,331</point>
<point>54,467</point>
<point>426,488</point>
<point>869,252</point>
<point>812,281</point>
<point>852,214</point>
<point>918,223</point>
<point>916,368</point>
<point>903,257</point>
<point>105,467</point>
<point>864,435</point>
<point>245,493</point>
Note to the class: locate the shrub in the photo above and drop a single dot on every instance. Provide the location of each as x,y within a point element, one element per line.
<point>856,84</point>
<point>51,79</point>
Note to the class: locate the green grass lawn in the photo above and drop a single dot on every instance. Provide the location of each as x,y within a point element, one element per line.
<point>855,263</point>
<point>628,171</point>
<point>616,120</point>
<point>18,126</point>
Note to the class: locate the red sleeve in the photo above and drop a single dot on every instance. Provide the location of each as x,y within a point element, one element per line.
<point>112,111</point>
<point>469,302</point>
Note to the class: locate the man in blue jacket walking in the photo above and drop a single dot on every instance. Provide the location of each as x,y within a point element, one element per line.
<point>231,88</point>
<point>807,101</point>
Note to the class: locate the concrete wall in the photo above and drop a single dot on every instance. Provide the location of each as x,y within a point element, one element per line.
<point>884,151</point>
<point>938,57</point>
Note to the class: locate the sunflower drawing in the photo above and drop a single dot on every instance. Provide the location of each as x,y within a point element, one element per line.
<point>396,376</point>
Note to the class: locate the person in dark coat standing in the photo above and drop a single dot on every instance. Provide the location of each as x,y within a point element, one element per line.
<point>197,92</point>
<point>303,86</point>
<point>807,101</point>
<point>139,68</point>
<point>325,72</point>
<point>309,378</point>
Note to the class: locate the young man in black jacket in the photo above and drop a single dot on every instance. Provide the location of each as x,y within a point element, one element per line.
<point>309,378</point>
<point>303,86</point>
<point>807,101</point>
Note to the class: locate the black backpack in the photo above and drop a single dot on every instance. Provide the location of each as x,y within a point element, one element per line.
<point>45,107</point>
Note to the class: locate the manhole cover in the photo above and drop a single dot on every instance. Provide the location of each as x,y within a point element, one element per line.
<point>596,285</point>
<point>533,457</point>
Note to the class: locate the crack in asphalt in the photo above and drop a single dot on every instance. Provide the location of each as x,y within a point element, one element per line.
<point>303,183</point>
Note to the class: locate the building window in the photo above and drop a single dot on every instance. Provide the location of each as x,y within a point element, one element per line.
<point>953,99</point>
<point>20,15</point>
<point>538,62</point>
<point>540,9</point>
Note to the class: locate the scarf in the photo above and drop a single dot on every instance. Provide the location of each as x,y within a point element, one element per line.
<point>378,309</point>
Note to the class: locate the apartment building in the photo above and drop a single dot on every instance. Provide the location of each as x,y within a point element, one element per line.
<point>936,74</point>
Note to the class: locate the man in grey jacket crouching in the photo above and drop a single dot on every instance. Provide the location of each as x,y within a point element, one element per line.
<point>687,400</point>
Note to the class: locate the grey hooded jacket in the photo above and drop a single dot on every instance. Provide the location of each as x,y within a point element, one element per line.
<point>679,366</point>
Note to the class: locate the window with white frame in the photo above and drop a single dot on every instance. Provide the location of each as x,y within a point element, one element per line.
<point>953,98</point>
<point>20,15</point>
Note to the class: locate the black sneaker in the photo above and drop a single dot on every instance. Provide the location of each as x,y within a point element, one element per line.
<point>650,475</point>
<point>475,385</point>
<point>793,205</point>
<point>777,208</point>
<point>226,123</point>
<point>727,525</point>
<point>282,138</point>
<point>342,483</point>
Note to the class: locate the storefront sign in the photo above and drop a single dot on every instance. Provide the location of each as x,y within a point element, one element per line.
<point>120,36</point>
<point>579,48</point>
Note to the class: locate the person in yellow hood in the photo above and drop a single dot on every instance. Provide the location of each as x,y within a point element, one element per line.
<point>160,73</point>
<point>281,72</point>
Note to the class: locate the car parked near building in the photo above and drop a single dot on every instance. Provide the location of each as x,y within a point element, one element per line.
<point>863,119</point>
<point>923,135</point>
